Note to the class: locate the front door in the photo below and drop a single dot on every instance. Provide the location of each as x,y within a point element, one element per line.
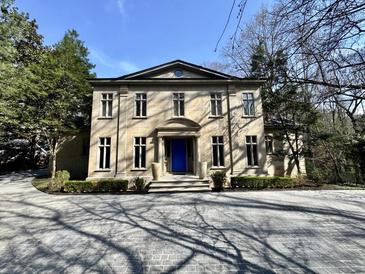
<point>178,155</point>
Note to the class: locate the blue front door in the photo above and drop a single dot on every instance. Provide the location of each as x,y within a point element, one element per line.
<point>178,155</point>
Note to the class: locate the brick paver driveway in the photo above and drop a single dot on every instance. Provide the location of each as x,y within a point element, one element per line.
<point>292,231</point>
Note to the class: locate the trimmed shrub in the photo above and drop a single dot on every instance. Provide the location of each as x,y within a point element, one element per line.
<point>79,186</point>
<point>96,186</point>
<point>218,177</point>
<point>139,184</point>
<point>255,182</point>
<point>57,184</point>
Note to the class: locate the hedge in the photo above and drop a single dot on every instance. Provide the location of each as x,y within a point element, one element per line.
<point>255,182</point>
<point>96,186</point>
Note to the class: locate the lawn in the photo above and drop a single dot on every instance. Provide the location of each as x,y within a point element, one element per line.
<point>41,183</point>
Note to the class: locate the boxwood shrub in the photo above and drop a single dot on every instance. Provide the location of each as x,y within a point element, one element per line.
<point>255,182</point>
<point>96,186</point>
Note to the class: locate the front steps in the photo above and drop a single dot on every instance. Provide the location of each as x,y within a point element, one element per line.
<point>179,184</point>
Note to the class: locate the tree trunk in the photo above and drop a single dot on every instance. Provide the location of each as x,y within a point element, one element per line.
<point>54,158</point>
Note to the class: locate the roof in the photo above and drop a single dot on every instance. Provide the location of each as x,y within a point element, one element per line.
<point>199,73</point>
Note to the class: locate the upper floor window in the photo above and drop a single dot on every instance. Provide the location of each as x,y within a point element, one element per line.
<point>140,152</point>
<point>269,144</point>
<point>248,104</point>
<point>251,150</point>
<point>178,101</point>
<point>218,151</point>
<point>216,104</point>
<point>141,105</point>
<point>104,152</point>
<point>106,104</point>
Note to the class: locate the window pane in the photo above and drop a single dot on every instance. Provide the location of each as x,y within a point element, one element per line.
<point>138,108</point>
<point>137,140</point>
<point>248,139</point>
<point>213,107</point>
<point>220,139</point>
<point>101,157</point>
<point>107,157</point>
<point>144,108</point>
<point>254,139</point>
<point>143,157</point>
<point>103,112</point>
<point>246,108</point>
<point>143,140</point>
<point>219,107</point>
<point>249,155</point>
<point>136,156</point>
<point>176,108</point>
<point>221,155</point>
<point>144,96</point>
<point>255,156</point>
<point>107,141</point>
<point>182,110</point>
<point>252,108</point>
<point>214,139</point>
<point>215,155</point>
<point>109,108</point>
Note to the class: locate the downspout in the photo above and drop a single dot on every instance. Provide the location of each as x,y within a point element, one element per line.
<point>117,148</point>
<point>229,129</point>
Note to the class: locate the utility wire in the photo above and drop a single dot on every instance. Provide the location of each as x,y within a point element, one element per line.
<point>225,27</point>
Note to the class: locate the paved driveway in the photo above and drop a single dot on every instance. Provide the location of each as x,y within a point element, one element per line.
<point>292,231</point>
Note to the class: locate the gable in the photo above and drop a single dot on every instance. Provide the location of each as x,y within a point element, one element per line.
<point>177,70</point>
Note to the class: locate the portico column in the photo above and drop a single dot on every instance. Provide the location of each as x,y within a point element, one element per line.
<point>198,156</point>
<point>161,154</point>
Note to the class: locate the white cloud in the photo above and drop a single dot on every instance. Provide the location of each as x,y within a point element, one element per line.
<point>121,6</point>
<point>106,64</point>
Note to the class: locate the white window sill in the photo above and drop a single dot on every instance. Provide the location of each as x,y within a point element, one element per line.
<point>217,167</point>
<point>103,170</point>
<point>253,167</point>
<point>138,169</point>
<point>183,116</point>
<point>105,118</point>
<point>249,116</point>
<point>139,117</point>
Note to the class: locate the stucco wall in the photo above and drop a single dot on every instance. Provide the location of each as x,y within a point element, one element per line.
<point>159,109</point>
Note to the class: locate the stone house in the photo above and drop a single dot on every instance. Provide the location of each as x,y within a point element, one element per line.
<point>180,116</point>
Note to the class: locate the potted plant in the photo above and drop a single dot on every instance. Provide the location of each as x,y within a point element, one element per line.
<point>219,178</point>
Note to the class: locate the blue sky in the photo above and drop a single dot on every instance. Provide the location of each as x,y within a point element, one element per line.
<point>128,35</point>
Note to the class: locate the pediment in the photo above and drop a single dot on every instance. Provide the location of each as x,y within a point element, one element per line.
<point>180,124</point>
<point>177,70</point>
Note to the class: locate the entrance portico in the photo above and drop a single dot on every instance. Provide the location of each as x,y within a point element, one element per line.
<point>178,146</point>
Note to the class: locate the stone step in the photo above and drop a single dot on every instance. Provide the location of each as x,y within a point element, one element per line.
<point>178,184</point>
<point>179,189</point>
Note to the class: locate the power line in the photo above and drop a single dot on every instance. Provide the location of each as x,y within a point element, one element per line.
<point>225,27</point>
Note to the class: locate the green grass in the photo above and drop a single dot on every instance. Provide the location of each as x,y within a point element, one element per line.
<point>41,183</point>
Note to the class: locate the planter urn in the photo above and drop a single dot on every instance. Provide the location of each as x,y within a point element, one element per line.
<point>202,170</point>
<point>156,171</point>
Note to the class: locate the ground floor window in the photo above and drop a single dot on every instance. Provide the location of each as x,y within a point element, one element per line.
<point>251,149</point>
<point>104,152</point>
<point>269,144</point>
<point>218,151</point>
<point>140,152</point>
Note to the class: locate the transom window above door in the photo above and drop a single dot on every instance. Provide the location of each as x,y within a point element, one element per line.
<point>178,104</point>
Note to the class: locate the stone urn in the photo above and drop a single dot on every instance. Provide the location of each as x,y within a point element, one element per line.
<point>202,170</point>
<point>156,171</point>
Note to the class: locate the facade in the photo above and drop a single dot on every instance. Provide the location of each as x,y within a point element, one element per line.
<point>178,115</point>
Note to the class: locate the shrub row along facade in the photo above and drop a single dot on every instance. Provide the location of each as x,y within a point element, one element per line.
<point>180,115</point>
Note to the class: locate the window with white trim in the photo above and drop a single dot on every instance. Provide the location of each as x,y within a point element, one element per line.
<point>140,152</point>
<point>218,151</point>
<point>269,144</point>
<point>216,104</point>
<point>178,101</point>
<point>141,105</point>
<point>104,152</point>
<point>106,104</point>
<point>251,150</point>
<point>248,104</point>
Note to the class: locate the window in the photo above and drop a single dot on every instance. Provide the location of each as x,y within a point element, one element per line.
<point>178,100</point>
<point>140,152</point>
<point>248,104</point>
<point>218,151</point>
<point>269,144</point>
<point>251,149</point>
<point>104,153</point>
<point>106,104</point>
<point>216,104</point>
<point>141,105</point>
